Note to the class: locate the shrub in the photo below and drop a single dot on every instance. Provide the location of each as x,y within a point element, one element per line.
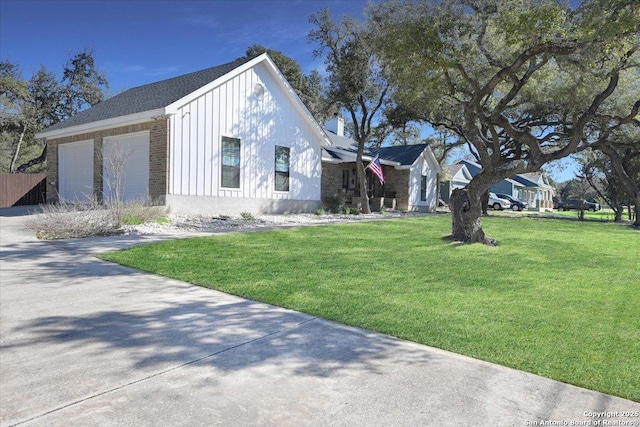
<point>64,221</point>
<point>320,212</point>
<point>350,211</point>
<point>137,212</point>
<point>247,216</point>
<point>332,203</point>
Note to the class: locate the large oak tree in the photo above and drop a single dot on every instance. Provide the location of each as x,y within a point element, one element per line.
<point>356,82</point>
<point>622,149</point>
<point>522,81</point>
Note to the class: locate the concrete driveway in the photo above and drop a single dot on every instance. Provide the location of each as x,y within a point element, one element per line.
<point>84,342</point>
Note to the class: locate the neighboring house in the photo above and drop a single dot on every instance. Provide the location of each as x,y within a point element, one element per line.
<point>223,140</point>
<point>530,188</point>
<point>453,177</point>
<point>511,187</point>
<point>537,191</point>
<point>411,173</point>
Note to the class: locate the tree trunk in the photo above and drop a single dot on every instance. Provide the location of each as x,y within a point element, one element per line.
<point>618,212</point>
<point>465,222</point>
<point>636,200</point>
<point>41,158</point>
<point>362,180</point>
<point>632,187</point>
<point>12,168</point>
<point>362,177</point>
<point>484,201</point>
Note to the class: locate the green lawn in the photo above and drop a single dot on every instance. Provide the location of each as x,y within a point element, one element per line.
<point>557,298</point>
<point>605,214</point>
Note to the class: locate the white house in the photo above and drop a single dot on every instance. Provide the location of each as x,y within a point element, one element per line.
<point>537,192</point>
<point>223,140</point>
<point>454,176</point>
<point>411,173</point>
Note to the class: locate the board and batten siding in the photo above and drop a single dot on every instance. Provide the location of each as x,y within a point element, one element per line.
<point>423,166</point>
<point>261,122</point>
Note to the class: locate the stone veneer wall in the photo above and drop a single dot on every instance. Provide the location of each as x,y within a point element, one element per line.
<point>331,183</point>
<point>158,158</point>
<point>397,181</point>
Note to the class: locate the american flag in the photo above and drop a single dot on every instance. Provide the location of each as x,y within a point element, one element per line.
<point>376,168</point>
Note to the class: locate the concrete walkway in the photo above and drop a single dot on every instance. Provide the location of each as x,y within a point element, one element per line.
<point>88,343</point>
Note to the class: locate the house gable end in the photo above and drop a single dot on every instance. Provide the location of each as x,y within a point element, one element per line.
<point>253,106</point>
<point>269,65</point>
<point>472,167</point>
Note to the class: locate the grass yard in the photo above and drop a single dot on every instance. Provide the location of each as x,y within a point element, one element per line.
<point>605,214</point>
<point>557,298</point>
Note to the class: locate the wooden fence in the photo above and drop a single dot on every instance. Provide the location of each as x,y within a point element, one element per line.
<point>22,189</point>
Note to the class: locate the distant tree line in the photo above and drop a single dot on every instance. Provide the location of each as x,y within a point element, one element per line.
<point>28,106</point>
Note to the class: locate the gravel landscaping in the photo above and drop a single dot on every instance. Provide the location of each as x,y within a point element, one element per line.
<point>200,223</point>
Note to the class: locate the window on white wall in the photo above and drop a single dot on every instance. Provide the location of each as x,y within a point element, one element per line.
<point>423,188</point>
<point>230,162</point>
<point>282,168</point>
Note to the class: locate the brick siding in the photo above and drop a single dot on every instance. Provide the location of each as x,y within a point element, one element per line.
<point>397,181</point>
<point>331,184</point>
<point>158,158</point>
<point>158,161</point>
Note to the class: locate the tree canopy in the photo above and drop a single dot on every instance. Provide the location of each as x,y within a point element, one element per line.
<point>524,82</point>
<point>28,106</point>
<point>356,82</point>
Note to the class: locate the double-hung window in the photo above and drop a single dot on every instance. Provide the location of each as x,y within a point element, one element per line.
<point>282,168</point>
<point>423,188</point>
<point>230,162</point>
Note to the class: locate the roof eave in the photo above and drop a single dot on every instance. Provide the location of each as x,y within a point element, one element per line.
<point>511,181</point>
<point>131,119</point>
<point>365,157</point>
<point>529,183</point>
<point>174,106</point>
<point>332,160</point>
<point>429,154</point>
<point>432,156</point>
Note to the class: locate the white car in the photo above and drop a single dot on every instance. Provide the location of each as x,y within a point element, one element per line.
<point>497,203</point>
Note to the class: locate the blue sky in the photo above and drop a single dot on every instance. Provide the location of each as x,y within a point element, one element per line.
<point>138,42</point>
<point>143,41</point>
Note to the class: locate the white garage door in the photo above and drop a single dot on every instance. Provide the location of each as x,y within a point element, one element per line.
<point>75,172</point>
<point>126,167</point>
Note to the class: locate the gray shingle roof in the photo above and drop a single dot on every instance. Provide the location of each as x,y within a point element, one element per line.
<point>150,96</point>
<point>406,155</point>
<point>342,142</point>
<point>333,154</point>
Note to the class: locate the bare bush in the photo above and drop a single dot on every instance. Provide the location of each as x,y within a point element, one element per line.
<point>64,221</point>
